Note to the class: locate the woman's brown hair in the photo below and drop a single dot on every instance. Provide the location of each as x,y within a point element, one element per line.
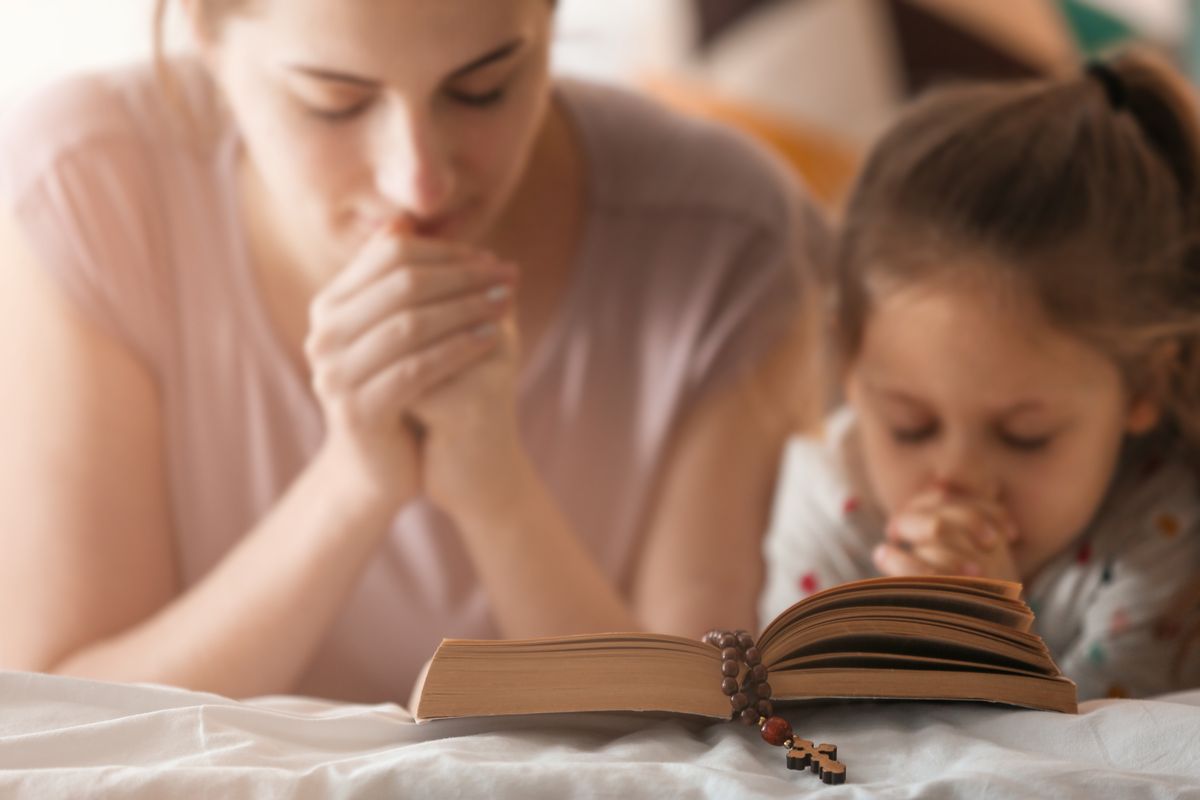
<point>1084,190</point>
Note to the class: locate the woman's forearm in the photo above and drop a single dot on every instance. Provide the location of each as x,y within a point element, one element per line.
<point>539,576</point>
<point>251,625</point>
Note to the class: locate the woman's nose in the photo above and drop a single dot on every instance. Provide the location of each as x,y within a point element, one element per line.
<point>413,171</point>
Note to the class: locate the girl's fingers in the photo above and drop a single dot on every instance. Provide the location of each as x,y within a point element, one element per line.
<point>396,387</point>
<point>947,560</point>
<point>986,523</point>
<point>333,325</point>
<point>893,560</point>
<point>896,560</point>
<point>941,532</point>
<point>408,333</point>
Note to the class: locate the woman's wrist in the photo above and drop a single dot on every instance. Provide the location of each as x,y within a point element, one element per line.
<point>497,485</point>
<point>351,492</point>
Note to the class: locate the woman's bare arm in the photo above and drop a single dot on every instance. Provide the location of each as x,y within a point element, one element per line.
<point>88,584</point>
<point>701,565</point>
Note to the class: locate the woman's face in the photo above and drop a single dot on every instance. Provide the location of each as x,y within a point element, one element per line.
<point>356,113</point>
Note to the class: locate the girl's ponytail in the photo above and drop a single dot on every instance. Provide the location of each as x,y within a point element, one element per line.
<point>1163,105</point>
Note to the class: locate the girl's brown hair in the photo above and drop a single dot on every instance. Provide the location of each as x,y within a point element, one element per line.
<point>1084,191</point>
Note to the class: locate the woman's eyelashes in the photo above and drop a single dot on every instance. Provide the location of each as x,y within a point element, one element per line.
<point>351,111</point>
<point>477,100</point>
<point>337,114</point>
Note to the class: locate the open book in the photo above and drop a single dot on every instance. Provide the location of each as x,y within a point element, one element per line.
<point>935,638</point>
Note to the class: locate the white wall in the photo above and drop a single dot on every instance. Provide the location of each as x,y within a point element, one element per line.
<point>43,38</point>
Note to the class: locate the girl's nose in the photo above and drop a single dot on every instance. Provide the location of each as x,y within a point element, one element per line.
<point>963,469</point>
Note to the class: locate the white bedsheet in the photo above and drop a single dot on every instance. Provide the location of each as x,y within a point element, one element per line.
<point>61,737</point>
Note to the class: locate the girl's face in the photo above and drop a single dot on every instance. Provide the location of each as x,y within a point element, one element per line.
<point>355,113</point>
<point>955,389</point>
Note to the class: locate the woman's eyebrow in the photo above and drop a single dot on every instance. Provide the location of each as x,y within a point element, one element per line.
<point>500,53</point>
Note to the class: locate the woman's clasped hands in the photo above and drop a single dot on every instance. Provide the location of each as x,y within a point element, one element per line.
<point>413,356</point>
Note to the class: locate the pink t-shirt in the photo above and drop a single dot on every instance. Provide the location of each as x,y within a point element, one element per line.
<point>689,264</point>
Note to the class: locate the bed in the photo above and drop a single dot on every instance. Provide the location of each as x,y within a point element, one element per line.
<point>62,737</point>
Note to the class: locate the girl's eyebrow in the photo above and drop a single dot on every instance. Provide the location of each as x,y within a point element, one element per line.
<point>892,394</point>
<point>498,54</point>
<point>1023,407</point>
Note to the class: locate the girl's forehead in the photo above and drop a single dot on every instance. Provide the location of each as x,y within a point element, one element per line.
<point>966,337</point>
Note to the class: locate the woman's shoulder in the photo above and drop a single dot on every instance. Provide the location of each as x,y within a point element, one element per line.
<point>647,156</point>
<point>86,115</point>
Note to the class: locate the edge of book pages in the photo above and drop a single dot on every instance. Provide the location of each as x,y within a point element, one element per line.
<point>636,678</point>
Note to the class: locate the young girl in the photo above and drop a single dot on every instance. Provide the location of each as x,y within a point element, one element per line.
<point>1018,315</point>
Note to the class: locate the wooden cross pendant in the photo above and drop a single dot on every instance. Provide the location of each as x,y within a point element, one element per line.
<point>821,759</point>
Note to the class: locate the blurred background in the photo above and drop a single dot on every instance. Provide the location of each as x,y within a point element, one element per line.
<point>815,79</point>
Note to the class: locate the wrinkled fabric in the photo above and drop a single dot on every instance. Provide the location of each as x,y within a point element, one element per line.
<point>62,737</point>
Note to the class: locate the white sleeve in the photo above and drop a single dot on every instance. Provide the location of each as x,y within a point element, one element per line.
<point>821,533</point>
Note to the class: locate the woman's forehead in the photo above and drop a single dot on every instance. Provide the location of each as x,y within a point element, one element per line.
<point>384,37</point>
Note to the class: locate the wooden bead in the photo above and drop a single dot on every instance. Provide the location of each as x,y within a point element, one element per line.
<point>758,673</point>
<point>765,708</point>
<point>730,654</point>
<point>739,702</point>
<point>763,690</point>
<point>745,640</point>
<point>776,731</point>
<point>749,716</point>
<point>729,669</point>
<point>727,640</point>
<point>753,657</point>
<point>729,687</point>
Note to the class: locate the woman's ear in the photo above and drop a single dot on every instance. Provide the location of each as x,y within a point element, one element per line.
<point>1146,408</point>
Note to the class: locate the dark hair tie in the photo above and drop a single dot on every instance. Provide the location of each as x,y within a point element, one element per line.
<point>1112,82</point>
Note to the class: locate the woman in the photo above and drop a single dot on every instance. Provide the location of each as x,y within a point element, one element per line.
<point>269,428</point>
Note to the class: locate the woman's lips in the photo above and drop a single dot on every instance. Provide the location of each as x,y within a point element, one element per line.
<point>428,228</point>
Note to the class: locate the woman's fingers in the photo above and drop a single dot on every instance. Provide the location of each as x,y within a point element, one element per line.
<point>334,325</point>
<point>408,333</point>
<point>396,386</point>
<point>384,251</point>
